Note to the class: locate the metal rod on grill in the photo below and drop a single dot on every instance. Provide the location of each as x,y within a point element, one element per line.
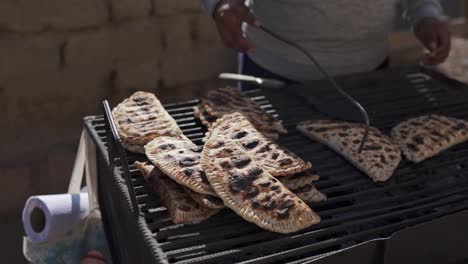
<point>330,79</point>
<point>123,157</point>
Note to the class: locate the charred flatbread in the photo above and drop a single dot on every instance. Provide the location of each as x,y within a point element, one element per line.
<point>426,136</point>
<point>302,185</point>
<point>379,157</point>
<point>141,118</point>
<point>309,194</point>
<point>228,100</point>
<point>179,159</point>
<point>250,191</point>
<point>299,179</point>
<point>273,158</point>
<point>205,200</point>
<point>205,118</point>
<point>182,208</point>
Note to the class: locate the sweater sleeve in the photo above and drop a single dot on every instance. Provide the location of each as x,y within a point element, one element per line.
<point>210,5</point>
<point>415,10</point>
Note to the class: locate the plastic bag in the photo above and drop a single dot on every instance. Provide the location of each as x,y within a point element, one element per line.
<point>89,233</point>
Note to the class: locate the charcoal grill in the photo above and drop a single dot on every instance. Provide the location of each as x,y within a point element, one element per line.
<point>419,215</point>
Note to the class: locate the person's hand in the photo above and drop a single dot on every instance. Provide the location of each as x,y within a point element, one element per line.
<point>229,15</point>
<point>435,37</point>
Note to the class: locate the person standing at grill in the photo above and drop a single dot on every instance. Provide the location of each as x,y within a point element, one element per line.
<point>345,36</point>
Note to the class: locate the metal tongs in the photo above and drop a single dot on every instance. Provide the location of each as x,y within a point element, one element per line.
<point>331,80</point>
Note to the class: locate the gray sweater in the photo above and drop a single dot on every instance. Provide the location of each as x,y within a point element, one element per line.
<point>345,36</point>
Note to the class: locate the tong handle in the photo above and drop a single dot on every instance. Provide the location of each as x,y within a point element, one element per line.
<point>329,78</point>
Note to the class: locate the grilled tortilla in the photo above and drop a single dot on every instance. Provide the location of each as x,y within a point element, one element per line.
<point>252,192</point>
<point>205,118</point>
<point>141,118</point>
<point>379,157</point>
<point>276,160</point>
<point>227,100</point>
<point>426,136</point>
<point>182,208</point>
<point>205,200</point>
<point>309,194</point>
<point>299,179</point>
<point>301,184</point>
<point>179,159</point>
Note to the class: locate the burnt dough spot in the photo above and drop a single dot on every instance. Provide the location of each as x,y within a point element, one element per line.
<point>320,129</point>
<point>418,140</point>
<point>372,148</point>
<point>254,172</point>
<point>284,208</point>
<point>139,98</point>
<point>270,205</point>
<point>460,126</point>
<point>240,135</point>
<point>167,146</point>
<point>275,187</point>
<point>265,184</point>
<point>197,149</point>
<point>188,161</point>
<point>225,152</point>
<point>226,165</point>
<point>274,156</point>
<point>412,147</point>
<point>285,162</point>
<point>252,144</point>
<point>251,192</point>
<point>382,159</point>
<point>242,162</point>
<point>217,144</point>
<point>203,177</point>
<point>240,182</point>
<point>343,134</point>
<point>189,172</point>
<point>142,103</point>
<point>255,204</point>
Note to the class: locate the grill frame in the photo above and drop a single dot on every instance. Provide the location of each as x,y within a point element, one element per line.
<point>135,241</point>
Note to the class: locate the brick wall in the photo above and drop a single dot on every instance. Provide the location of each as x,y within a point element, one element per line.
<point>60,58</point>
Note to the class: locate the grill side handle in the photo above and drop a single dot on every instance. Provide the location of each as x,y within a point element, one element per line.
<point>117,155</point>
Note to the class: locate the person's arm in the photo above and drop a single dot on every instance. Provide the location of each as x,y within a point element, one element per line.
<point>229,16</point>
<point>416,10</point>
<point>210,5</point>
<point>427,19</point>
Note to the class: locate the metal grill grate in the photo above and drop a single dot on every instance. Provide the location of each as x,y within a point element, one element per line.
<point>357,209</point>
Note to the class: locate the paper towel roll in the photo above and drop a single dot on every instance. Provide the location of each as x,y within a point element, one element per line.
<point>47,217</point>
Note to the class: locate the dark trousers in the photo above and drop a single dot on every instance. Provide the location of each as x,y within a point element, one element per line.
<point>251,68</point>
